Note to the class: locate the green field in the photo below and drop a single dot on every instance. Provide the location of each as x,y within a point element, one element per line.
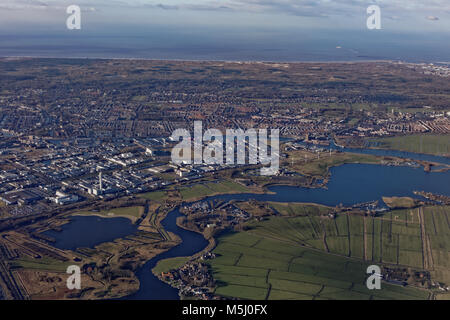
<point>249,266</point>
<point>399,202</point>
<point>387,239</point>
<point>45,263</point>
<point>437,228</point>
<point>157,196</point>
<point>325,258</point>
<point>132,213</point>
<point>205,189</point>
<point>431,144</point>
<point>169,264</point>
<point>320,167</point>
<point>300,209</point>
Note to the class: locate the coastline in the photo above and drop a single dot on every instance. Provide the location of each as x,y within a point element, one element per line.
<point>211,60</point>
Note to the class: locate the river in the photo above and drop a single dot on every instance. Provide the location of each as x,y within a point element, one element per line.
<point>349,184</point>
<point>151,288</point>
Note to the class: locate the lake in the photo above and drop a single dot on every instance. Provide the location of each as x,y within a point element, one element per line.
<point>349,184</point>
<point>89,231</point>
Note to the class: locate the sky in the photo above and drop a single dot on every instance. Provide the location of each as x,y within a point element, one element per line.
<point>214,24</point>
<point>399,15</point>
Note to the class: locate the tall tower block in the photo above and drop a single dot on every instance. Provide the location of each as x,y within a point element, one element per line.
<point>100,181</point>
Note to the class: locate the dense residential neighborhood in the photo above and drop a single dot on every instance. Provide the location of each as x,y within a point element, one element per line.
<point>89,153</point>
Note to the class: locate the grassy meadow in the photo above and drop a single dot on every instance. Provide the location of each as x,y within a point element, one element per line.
<point>305,254</point>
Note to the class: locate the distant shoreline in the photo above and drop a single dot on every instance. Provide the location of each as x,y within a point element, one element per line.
<point>213,60</point>
<point>227,61</point>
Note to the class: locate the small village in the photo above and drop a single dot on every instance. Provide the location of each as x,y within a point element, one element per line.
<point>194,279</point>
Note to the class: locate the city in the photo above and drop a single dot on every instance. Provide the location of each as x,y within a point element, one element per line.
<point>113,159</point>
<point>224,158</point>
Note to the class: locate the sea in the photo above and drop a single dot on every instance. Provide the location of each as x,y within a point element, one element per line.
<point>218,44</point>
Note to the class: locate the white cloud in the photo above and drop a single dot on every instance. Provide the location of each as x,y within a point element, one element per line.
<point>395,11</point>
<point>296,7</point>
